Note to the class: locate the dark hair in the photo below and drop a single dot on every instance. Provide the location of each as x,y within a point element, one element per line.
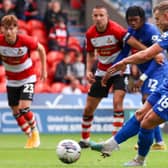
<point>135,11</point>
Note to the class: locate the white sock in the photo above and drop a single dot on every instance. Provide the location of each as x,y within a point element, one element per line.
<point>111,143</point>
<point>140,158</point>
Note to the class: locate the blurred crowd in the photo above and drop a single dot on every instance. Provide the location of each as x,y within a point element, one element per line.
<point>64,41</point>
<point>55,31</point>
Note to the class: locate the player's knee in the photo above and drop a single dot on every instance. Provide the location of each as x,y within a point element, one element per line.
<point>146,123</point>
<point>17,115</point>
<point>140,114</point>
<point>88,110</point>
<point>24,110</point>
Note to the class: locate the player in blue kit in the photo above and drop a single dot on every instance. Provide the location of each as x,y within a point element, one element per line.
<point>155,108</point>
<point>152,73</point>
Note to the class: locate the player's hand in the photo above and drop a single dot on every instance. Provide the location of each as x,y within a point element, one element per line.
<point>105,78</point>
<point>159,59</point>
<point>137,85</point>
<point>120,66</point>
<point>43,75</point>
<point>90,77</point>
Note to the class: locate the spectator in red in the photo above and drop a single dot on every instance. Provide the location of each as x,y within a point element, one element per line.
<point>58,36</point>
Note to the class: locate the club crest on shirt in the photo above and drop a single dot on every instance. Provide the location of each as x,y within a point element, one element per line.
<point>13,52</point>
<point>20,52</point>
<point>104,41</point>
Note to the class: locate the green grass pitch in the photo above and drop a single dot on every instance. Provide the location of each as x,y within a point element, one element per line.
<point>13,155</point>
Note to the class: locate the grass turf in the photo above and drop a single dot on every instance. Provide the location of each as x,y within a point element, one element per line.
<point>13,155</point>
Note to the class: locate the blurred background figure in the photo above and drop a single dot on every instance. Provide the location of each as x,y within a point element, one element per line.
<point>6,8</point>
<point>72,88</point>
<point>27,9</point>
<point>31,10</point>
<point>52,14</point>
<point>79,67</point>
<point>64,70</point>
<point>58,36</point>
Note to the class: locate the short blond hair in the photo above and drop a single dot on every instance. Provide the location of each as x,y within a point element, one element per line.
<point>162,6</point>
<point>9,20</point>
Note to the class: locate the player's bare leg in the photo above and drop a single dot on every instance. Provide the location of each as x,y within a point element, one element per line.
<point>23,124</point>
<point>29,116</point>
<point>35,137</point>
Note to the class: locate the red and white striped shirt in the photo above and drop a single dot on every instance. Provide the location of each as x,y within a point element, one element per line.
<point>59,34</point>
<point>16,60</point>
<point>108,44</point>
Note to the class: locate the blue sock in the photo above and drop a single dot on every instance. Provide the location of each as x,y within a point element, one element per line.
<point>129,129</point>
<point>145,140</point>
<point>157,134</point>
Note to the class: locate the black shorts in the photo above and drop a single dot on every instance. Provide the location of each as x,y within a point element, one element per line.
<point>97,90</point>
<point>24,92</point>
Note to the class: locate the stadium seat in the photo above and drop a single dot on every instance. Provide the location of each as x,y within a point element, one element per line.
<point>23,31</point>
<point>75,46</point>
<point>40,35</point>
<point>2,70</point>
<point>57,87</point>
<point>84,88</point>
<point>54,56</point>
<point>35,56</point>
<point>73,40</point>
<point>2,87</point>
<point>2,79</point>
<point>35,24</point>
<point>22,25</point>
<point>41,87</point>
<point>51,71</point>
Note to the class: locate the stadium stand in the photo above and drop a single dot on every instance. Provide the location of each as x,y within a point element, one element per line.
<point>122,5</point>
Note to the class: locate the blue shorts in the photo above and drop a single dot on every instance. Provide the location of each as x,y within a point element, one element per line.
<point>155,80</point>
<point>159,100</point>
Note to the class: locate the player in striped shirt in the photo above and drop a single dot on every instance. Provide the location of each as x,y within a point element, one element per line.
<point>155,108</point>
<point>15,55</point>
<point>104,39</point>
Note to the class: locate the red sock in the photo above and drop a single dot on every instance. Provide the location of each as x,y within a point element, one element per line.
<point>118,121</point>
<point>86,126</point>
<point>29,116</point>
<point>23,124</point>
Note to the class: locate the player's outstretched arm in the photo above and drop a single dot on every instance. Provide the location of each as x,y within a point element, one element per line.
<point>137,58</point>
<point>143,56</point>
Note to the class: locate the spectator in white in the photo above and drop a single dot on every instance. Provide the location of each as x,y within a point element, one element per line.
<point>72,88</point>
